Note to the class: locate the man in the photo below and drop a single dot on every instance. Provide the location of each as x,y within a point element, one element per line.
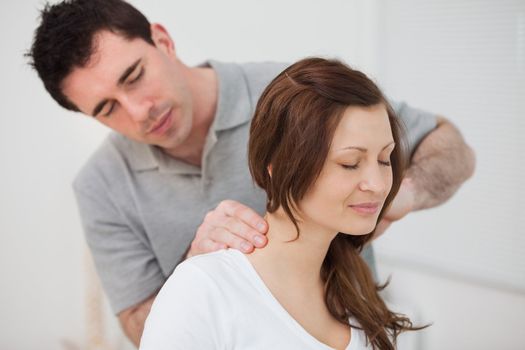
<point>173,181</point>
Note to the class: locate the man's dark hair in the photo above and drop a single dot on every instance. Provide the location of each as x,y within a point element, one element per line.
<point>64,39</point>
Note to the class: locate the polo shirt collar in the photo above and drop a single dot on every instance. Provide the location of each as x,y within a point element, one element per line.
<point>234,108</point>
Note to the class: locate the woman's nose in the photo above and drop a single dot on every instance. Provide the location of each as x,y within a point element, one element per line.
<point>373,180</point>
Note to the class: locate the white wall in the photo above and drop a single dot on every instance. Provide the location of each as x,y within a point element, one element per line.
<point>463,263</point>
<point>47,282</point>
<point>41,249</point>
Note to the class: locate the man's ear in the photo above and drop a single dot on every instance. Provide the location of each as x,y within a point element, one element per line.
<point>162,39</point>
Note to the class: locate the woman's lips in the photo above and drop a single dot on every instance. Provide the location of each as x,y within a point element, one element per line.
<point>365,208</point>
<point>163,125</point>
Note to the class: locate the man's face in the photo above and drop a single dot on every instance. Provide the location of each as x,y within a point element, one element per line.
<point>136,89</point>
<point>356,177</point>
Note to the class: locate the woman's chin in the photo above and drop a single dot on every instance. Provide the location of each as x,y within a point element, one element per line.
<point>359,230</point>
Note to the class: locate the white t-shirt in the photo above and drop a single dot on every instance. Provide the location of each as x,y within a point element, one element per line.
<point>218,301</point>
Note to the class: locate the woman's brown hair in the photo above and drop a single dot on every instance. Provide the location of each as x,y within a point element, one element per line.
<point>291,132</point>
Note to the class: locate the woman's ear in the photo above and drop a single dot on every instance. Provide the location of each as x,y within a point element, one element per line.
<point>162,39</point>
<point>269,168</point>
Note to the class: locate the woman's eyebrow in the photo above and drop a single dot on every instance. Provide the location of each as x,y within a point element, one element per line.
<point>362,149</point>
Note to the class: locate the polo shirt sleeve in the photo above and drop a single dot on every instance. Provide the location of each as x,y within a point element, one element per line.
<point>186,314</point>
<point>416,122</point>
<point>126,265</point>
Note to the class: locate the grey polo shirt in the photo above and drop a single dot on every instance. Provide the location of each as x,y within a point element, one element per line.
<point>141,208</point>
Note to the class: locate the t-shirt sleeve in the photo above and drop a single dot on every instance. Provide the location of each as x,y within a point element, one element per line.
<point>416,122</point>
<point>185,314</point>
<point>126,265</point>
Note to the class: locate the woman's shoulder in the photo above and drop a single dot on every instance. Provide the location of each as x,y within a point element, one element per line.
<point>199,281</point>
<point>211,262</point>
<point>212,268</point>
<point>191,311</point>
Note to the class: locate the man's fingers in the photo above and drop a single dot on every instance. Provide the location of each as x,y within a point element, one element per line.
<point>222,235</point>
<point>230,224</point>
<point>243,213</point>
<point>219,218</point>
<point>209,245</point>
<point>241,229</point>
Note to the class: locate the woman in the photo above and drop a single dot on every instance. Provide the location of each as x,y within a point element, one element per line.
<point>326,147</point>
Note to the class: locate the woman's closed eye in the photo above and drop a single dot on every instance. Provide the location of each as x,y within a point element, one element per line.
<point>356,165</point>
<point>350,166</point>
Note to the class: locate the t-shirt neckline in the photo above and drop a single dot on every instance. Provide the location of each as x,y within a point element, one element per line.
<point>248,268</point>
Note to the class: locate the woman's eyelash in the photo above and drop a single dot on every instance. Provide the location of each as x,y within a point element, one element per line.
<point>356,166</point>
<point>350,166</point>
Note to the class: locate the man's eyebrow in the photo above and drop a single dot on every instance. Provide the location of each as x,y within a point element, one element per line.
<point>121,81</point>
<point>364,150</point>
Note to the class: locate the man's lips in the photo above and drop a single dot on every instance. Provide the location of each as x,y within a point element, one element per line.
<point>366,208</point>
<point>162,124</point>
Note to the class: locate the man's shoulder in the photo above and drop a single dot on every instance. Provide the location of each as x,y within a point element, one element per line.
<point>259,74</point>
<point>256,75</point>
<point>263,70</point>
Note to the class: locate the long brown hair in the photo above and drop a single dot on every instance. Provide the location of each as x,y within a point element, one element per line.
<point>291,131</point>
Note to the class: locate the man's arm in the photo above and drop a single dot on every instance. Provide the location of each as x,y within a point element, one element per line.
<point>132,319</point>
<point>126,264</point>
<point>439,166</point>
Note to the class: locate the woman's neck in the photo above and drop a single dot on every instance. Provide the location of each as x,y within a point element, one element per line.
<point>294,264</point>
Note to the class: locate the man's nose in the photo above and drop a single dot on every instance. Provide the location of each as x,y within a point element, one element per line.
<point>373,180</point>
<point>138,108</point>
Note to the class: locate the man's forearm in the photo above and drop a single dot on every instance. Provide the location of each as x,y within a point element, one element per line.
<point>132,320</point>
<point>440,164</point>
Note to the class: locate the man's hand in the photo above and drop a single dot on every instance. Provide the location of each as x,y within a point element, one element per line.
<point>232,225</point>
<point>440,164</point>
<point>402,204</point>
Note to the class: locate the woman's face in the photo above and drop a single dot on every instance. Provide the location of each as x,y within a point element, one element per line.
<point>356,176</point>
